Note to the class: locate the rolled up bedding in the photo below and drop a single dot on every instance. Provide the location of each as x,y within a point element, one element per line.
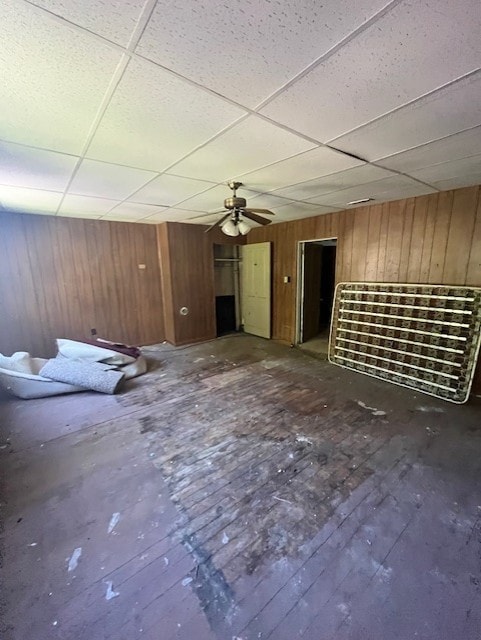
<point>128,359</point>
<point>96,376</point>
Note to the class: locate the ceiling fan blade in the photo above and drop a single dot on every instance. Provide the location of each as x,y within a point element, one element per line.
<point>254,217</point>
<point>266,212</point>
<point>218,222</point>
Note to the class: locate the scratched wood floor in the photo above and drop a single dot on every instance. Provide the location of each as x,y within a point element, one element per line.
<point>241,490</point>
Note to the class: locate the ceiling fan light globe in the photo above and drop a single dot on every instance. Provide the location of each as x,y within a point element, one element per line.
<point>230,228</point>
<point>243,227</point>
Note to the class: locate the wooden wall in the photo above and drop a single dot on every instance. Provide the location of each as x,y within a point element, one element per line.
<point>187,267</point>
<point>60,277</point>
<point>428,239</point>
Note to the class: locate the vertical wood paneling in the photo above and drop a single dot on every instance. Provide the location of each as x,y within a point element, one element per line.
<point>187,267</point>
<point>415,240</point>
<point>372,249</point>
<point>166,277</point>
<point>463,218</point>
<point>359,239</point>
<point>61,277</point>
<point>396,213</point>
<point>428,237</point>
<point>406,239</point>
<point>340,217</point>
<point>420,210</point>
<point>381,254</point>
<point>474,263</point>
<point>347,246</point>
<point>442,222</point>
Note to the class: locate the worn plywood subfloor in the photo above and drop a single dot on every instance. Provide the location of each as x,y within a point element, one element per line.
<point>240,490</point>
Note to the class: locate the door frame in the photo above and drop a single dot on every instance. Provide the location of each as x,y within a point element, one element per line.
<point>300,284</point>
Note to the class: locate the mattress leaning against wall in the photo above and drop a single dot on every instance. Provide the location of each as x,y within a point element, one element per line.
<point>425,337</point>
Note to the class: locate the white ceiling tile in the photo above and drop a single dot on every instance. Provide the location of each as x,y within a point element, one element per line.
<point>134,210</point>
<point>29,200</point>
<point>455,147</point>
<point>155,119</point>
<point>246,49</point>
<point>297,210</point>
<point>53,79</point>
<point>186,216</point>
<point>123,217</point>
<point>249,145</point>
<point>86,205</point>
<point>448,170</point>
<point>211,199</point>
<point>393,188</point>
<point>108,18</point>
<point>267,201</point>
<point>198,218</point>
<point>458,182</point>
<point>310,164</point>
<point>341,180</point>
<point>170,215</point>
<point>168,190</point>
<point>108,180</point>
<point>413,49</point>
<point>23,166</point>
<point>445,112</point>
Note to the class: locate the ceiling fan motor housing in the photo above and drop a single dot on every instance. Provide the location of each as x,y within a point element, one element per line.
<point>235,203</point>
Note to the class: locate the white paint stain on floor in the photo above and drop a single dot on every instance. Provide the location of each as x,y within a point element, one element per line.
<point>73,562</point>
<point>373,410</point>
<point>110,591</point>
<point>114,521</point>
<point>426,409</point>
<point>303,439</point>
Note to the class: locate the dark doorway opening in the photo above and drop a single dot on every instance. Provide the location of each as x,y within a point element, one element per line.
<point>225,314</point>
<point>318,282</point>
<point>227,290</point>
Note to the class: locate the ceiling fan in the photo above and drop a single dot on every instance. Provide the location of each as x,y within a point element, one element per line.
<point>233,222</point>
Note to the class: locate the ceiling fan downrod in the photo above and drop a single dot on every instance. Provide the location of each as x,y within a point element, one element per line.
<point>235,202</point>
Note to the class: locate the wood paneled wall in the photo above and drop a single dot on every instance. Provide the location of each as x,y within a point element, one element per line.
<point>187,267</point>
<point>61,277</point>
<point>429,239</point>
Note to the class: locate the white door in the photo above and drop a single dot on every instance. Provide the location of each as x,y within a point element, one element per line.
<point>256,289</point>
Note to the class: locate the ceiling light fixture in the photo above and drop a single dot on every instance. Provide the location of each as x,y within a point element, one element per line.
<point>230,228</point>
<point>243,227</point>
<point>235,226</point>
<point>236,212</point>
<point>361,201</point>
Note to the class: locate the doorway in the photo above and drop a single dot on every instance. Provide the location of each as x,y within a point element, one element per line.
<point>317,281</point>
<point>227,288</point>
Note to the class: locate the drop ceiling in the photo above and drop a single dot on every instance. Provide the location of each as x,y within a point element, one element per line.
<point>141,111</point>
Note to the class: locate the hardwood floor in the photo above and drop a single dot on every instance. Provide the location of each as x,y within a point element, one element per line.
<point>241,490</point>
